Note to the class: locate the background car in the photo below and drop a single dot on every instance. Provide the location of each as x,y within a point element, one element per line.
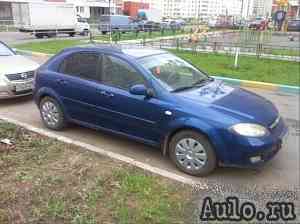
<point>147,26</point>
<point>16,73</point>
<point>294,25</point>
<point>256,24</point>
<point>117,23</point>
<point>155,97</point>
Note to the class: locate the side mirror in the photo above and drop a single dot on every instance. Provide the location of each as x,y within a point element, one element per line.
<point>141,90</point>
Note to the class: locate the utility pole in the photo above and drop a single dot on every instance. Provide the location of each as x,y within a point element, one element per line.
<point>242,11</point>
<point>110,29</point>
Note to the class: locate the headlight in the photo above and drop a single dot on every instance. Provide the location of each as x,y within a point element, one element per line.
<point>2,82</point>
<point>250,130</point>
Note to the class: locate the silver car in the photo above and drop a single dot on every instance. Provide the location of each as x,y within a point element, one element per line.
<point>16,73</point>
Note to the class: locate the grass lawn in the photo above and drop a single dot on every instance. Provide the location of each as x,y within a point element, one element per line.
<point>140,35</point>
<point>45,181</point>
<point>54,46</point>
<point>250,68</point>
<point>49,47</point>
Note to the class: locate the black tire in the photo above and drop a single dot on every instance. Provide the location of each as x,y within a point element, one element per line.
<point>85,33</point>
<point>51,35</point>
<point>211,161</point>
<point>39,36</point>
<point>71,34</point>
<point>61,123</point>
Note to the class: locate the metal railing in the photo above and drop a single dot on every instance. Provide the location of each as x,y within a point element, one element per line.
<point>255,49</point>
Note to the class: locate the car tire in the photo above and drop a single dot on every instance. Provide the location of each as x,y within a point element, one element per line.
<point>199,157</point>
<point>55,119</point>
<point>39,36</point>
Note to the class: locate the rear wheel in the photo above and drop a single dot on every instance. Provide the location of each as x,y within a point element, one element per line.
<point>39,35</point>
<point>52,114</point>
<point>192,153</point>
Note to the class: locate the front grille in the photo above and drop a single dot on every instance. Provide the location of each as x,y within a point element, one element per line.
<point>275,123</point>
<point>20,76</point>
<point>23,92</point>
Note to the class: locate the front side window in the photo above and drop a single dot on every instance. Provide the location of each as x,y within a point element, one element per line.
<point>5,51</point>
<point>118,73</point>
<point>83,65</point>
<point>173,73</point>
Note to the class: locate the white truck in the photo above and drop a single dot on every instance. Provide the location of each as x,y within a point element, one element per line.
<point>48,19</point>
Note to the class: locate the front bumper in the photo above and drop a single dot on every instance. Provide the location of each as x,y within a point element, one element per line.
<point>8,91</point>
<point>255,152</point>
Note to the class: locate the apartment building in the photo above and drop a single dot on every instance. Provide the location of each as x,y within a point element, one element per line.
<point>202,9</point>
<point>262,8</point>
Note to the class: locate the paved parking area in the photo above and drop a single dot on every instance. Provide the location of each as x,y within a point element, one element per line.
<point>282,173</point>
<point>18,37</point>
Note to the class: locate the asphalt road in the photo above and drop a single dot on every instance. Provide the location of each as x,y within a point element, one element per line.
<point>18,37</point>
<point>282,173</point>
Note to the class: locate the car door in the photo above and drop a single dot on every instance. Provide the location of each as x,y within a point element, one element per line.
<point>136,116</point>
<point>77,84</point>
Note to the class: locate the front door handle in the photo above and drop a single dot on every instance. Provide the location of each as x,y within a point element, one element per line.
<point>61,82</point>
<point>106,94</point>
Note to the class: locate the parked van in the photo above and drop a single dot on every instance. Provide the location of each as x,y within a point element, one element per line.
<point>117,22</point>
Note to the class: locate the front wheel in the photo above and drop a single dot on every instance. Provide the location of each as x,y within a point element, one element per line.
<point>192,153</point>
<point>52,114</point>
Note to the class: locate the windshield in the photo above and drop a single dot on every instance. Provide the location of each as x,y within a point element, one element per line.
<point>5,51</point>
<point>173,73</point>
<point>104,19</point>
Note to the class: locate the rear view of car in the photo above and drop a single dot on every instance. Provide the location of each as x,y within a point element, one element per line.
<point>294,25</point>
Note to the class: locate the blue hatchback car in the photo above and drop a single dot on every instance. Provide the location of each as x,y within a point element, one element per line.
<point>154,97</point>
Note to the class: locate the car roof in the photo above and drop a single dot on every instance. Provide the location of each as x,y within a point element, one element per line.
<point>142,52</point>
<point>130,51</point>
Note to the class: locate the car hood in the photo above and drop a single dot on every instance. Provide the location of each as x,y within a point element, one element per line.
<point>16,64</point>
<point>237,102</point>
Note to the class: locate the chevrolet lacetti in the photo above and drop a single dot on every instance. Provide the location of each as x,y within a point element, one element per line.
<point>154,97</point>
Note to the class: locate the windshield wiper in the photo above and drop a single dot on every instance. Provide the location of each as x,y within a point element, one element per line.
<point>183,88</point>
<point>199,83</point>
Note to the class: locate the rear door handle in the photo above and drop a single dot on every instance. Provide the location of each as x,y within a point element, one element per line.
<point>106,94</point>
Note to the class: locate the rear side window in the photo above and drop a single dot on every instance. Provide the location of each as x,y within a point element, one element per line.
<point>120,74</point>
<point>83,65</point>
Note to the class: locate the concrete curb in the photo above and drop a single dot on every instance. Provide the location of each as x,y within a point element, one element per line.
<point>260,85</point>
<point>235,82</point>
<point>112,155</point>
